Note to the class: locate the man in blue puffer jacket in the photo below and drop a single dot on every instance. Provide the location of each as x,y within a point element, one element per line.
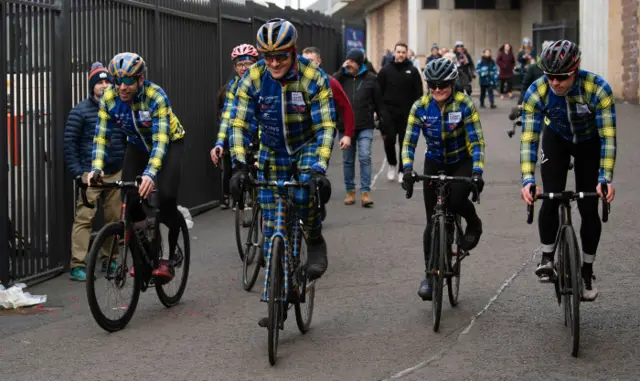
<point>78,146</point>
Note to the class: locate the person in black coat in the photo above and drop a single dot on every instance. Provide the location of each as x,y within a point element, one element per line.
<point>363,91</point>
<point>78,146</point>
<point>401,85</point>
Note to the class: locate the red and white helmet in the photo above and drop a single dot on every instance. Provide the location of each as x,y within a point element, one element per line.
<point>244,50</point>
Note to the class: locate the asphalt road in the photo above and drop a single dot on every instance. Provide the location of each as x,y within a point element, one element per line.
<point>369,323</point>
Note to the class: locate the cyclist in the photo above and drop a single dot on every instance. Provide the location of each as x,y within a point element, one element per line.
<point>292,101</point>
<point>155,143</point>
<point>451,126</point>
<point>578,110</point>
<point>243,56</point>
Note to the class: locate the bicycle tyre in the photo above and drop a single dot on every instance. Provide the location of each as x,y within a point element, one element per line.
<point>239,224</point>
<point>254,254</point>
<point>438,245</point>
<point>575,278</point>
<point>304,322</point>
<point>275,303</point>
<point>109,325</point>
<point>453,282</point>
<point>170,301</point>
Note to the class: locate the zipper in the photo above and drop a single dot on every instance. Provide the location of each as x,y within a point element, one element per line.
<point>573,132</point>
<point>135,125</point>
<point>284,116</point>
<point>442,136</point>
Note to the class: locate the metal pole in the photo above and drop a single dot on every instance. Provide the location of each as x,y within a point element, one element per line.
<point>4,162</point>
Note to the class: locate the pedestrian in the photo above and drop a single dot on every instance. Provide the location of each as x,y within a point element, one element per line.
<point>364,94</point>
<point>78,146</point>
<point>506,62</point>
<point>488,77</point>
<point>401,85</point>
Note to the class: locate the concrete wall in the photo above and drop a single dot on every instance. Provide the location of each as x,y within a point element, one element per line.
<point>478,29</point>
<point>530,13</point>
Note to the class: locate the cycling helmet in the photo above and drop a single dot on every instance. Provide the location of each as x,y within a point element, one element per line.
<point>441,70</point>
<point>244,50</point>
<point>560,57</point>
<point>127,65</point>
<point>276,35</point>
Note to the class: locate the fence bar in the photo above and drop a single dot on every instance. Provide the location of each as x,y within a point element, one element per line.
<point>4,145</point>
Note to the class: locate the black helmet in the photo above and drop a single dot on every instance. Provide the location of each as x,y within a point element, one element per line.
<point>441,70</point>
<point>560,57</point>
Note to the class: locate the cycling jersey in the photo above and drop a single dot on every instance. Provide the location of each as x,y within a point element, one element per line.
<point>586,112</point>
<point>452,134</point>
<point>292,112</point>
<point>230,95</point>
<point>148,121</point>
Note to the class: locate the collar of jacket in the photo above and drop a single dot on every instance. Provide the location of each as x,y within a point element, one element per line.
<point>141,91</point>
<point>400,65</point>
<point>363,70</point>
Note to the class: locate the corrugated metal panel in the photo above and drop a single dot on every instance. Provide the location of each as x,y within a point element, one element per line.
<point>594,38</point>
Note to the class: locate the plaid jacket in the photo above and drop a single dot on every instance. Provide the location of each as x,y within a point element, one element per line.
<point>587,111</point>
<point>148,121</point>
<point>452,134</point>
<point>290,112</point>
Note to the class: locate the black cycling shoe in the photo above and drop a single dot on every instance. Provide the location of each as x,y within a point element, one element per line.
<point>264,322</point>
<point>425,291</point>
<point>317,259</point>
<point>545,270</point>
<point>472,234</point>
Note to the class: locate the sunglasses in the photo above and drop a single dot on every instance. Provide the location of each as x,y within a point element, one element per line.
<point>558,77</point>
<point>128,81</point>
<point>245,65</point>
<point>439,85</point>
<point>279,58</point>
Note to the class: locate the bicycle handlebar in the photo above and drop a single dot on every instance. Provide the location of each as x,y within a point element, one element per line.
<point>95,182</point>
<point>569,196</point>
<point>445,179</point>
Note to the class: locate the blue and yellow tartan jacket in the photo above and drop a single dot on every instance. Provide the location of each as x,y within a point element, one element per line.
<point>291,112</point>
<point>230,95</point>
<point>452,134</point>
<point>148,122</point>
<point>587,111</point>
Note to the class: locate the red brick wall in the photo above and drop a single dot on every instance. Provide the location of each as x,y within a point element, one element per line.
<point>630,46</point>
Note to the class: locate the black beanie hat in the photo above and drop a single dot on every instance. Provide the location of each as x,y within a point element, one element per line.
<point>356,56</point>
<point>97,74</point>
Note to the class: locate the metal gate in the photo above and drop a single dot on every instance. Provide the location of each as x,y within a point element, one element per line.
<point>553,31</point>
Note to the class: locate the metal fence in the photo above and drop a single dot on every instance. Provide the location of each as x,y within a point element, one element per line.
<point>46,50</point>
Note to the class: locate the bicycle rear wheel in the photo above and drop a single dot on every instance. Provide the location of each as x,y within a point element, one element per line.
<point>244,220</point>
<point>455,264</point>
<point>181,261</point>
<point>573,287</point>
<point>254,250</point>
<point>116,276</point>
<point>438,255</point>
<point>275,303</point>
<point>304,311</point>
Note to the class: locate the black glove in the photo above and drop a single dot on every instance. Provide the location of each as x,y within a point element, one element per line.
<point>477,179</point>
<point>407,181</point>
<point>320,182</point>
<point>238,181</point>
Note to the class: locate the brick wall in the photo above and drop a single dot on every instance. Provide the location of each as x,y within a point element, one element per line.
<point>630,46</point>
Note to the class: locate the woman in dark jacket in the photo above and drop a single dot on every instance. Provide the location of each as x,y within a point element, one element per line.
<point>506,62</point>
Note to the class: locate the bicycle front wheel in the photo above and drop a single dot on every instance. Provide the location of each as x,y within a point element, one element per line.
<point>113,273</point>
<point>573,287</point>
<point>244,220</point>
<point>438,255</point>
<point>454,263</point>
<point>276,306</point>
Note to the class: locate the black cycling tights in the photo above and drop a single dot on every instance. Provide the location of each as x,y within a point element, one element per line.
<point>167,184</point>
<point>458,199</point>
<point>554,158</point>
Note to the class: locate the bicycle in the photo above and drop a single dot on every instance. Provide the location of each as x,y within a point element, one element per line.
<point>254,242</point>
<point>567,277</point>
<point>145,254</point>
<point>286,281</point>
<point>445,231</point>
